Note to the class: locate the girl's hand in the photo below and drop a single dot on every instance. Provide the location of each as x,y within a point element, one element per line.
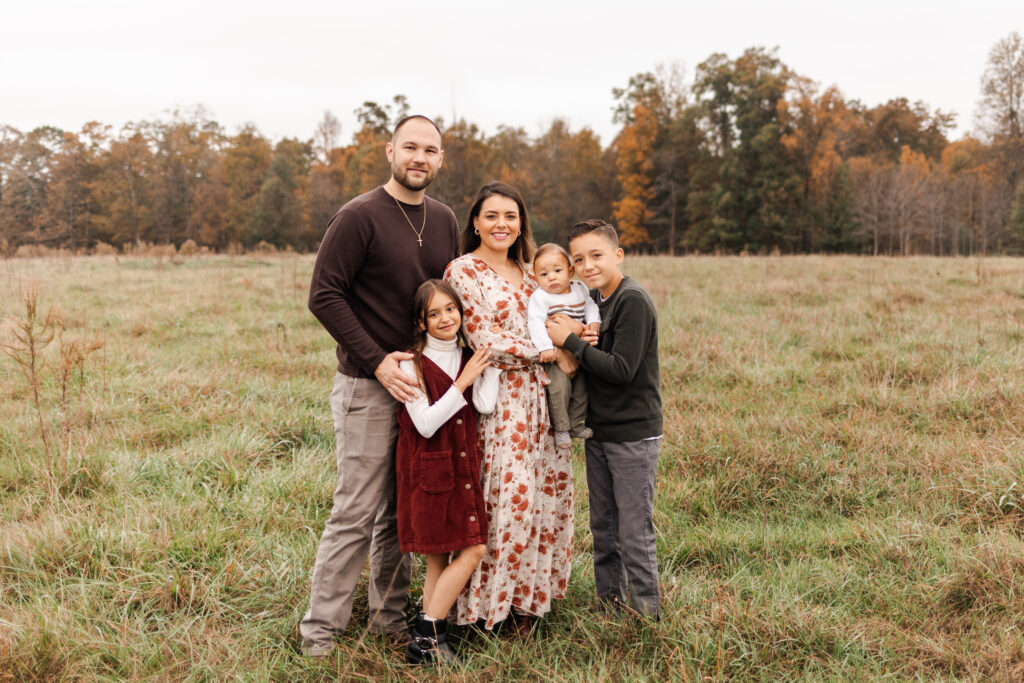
<point>548,355</point>
<point>474,368</point>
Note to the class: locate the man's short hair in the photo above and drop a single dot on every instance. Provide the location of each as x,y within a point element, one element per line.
<point>595,225</point>
<point>406,119</point>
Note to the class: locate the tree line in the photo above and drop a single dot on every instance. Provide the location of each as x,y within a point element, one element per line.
<point>744,157</point>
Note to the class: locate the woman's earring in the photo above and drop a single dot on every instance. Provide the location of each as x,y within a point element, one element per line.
<point>475,231</point>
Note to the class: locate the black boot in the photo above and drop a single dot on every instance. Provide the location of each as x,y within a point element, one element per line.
<point>430,643</point>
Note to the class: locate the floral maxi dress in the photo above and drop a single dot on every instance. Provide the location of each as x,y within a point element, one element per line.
<point>527,482</point>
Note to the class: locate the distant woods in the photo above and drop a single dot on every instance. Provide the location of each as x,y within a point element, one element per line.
<point>745,156</point>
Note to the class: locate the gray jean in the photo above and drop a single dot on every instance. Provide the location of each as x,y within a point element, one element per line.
<point>363,518</point>
<point>620,479</point>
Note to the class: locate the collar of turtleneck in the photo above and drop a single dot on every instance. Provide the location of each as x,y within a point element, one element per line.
<point>440,344</point>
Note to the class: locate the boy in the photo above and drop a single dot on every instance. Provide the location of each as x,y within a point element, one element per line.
<point>559,293</point>
<point>624,413</point>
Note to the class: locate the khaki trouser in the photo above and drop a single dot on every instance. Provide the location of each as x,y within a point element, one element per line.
<point>567,399</point>
<point>363,519</point>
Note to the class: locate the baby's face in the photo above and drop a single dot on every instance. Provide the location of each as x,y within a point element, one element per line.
<point>553,273</point>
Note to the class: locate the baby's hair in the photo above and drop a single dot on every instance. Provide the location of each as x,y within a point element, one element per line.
<point>549,247</point>
<point>420,305</point>
<point>595,225</point>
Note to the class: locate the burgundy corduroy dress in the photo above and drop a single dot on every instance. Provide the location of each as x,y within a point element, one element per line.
<point>440,502</point>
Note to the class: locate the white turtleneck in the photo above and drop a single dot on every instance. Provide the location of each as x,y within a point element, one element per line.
<point>448,356</point>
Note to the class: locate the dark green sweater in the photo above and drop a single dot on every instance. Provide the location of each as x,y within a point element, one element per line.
<point>622,370</point>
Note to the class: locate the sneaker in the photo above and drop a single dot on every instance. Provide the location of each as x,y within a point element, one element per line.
<point>583,432</point>
<point>563,440</point>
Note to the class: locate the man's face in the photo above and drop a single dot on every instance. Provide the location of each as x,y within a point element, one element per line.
<point>415,154</point>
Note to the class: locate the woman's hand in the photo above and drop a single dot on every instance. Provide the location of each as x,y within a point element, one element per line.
<point>474,368</point>
<point>567,362</point>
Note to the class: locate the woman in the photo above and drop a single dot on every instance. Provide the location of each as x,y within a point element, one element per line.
<point>527,482</point>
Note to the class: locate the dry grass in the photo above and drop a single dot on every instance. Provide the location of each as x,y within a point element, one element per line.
<point>841,487</point>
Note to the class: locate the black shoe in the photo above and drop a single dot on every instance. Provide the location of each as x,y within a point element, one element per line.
<point>430,644</point>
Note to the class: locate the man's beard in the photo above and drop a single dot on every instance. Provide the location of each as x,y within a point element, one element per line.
<point>402,177</point>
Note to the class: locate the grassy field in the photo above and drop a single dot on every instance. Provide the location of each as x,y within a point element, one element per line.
<point>840,492</point>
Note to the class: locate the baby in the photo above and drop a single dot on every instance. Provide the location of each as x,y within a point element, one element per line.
<point>559,293</point>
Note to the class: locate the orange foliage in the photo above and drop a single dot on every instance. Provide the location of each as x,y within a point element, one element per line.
<point>635,145</point>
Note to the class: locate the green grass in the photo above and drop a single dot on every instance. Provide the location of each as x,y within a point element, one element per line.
<point>840,493</point>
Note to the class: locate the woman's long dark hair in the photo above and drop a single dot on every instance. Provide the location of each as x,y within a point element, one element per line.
<point>524,246</point>
<point>420,305</point>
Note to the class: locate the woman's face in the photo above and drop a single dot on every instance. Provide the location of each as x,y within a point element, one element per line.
<point>498,223</point>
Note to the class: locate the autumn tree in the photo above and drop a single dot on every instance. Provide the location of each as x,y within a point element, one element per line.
<point>70,212</point>
<point>756,195</point>
<point>1001,116</point>
<point>675,150</point>
<point>124,190</point>
<point>634,147</point>
<point>26,173</point>
<point>466,160</point>
<point>185,149</point>
<point>278,215</point>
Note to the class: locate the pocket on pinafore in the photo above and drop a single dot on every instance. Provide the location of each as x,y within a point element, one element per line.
<point>435,472</point>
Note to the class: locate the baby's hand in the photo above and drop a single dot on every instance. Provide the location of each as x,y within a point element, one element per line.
<point>548,356</point>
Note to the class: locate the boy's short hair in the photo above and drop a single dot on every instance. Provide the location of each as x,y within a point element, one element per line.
<point>598,226</point>
<point>549,247</point>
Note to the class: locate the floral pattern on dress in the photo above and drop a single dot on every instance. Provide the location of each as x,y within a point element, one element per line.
<point>527,482</point>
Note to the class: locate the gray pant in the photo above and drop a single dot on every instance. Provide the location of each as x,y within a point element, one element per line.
<point>567,399</point>
<point>620,479</point>
<point>363,519</point>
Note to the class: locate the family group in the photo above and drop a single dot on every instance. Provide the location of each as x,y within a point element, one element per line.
<point>468,361</point>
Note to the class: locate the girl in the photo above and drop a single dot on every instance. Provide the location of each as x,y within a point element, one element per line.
<point>440,502</point>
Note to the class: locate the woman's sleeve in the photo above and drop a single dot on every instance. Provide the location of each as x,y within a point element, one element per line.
<point>479,318</point>
<point>428,418</point>
<point>485,390</point>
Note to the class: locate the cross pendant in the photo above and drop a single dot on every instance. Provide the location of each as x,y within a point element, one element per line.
<point>420,240</point>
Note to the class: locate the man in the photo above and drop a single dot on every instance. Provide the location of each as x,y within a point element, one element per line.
<point>378,248</point>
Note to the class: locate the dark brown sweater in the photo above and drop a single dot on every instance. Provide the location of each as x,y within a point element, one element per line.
<point>367,269</point>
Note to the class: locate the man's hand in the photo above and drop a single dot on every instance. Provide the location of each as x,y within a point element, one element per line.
<point>591,333</point>
<point>400,385</point>
<point>548,355</point>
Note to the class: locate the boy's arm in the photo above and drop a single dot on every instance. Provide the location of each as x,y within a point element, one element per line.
<point>634,322</point>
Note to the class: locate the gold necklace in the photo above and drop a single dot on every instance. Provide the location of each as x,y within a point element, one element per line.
<point>419,234</point>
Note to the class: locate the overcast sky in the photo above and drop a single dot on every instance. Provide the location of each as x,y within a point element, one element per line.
<point>280,65</point>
